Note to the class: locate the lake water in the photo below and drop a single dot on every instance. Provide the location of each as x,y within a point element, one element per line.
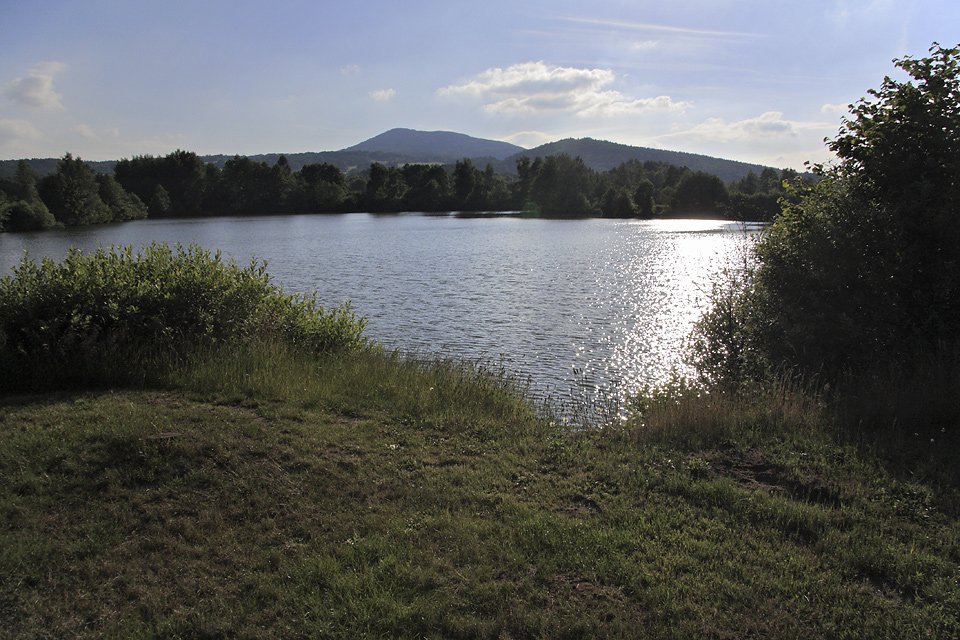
<point>572,304</point>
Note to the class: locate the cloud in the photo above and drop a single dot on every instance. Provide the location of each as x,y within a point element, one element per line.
<point>383,95</point>
<point>17,131</point>
<point>764,127</point>
<point>350,70</point>
<point>834,108</point>
<point>536,87</point>
<point>36,89</point>
<point>660,28</point>
<point>86,131</point>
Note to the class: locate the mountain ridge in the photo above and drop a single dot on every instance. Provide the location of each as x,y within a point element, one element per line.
<point>441,144</point>
<point>400,146</point>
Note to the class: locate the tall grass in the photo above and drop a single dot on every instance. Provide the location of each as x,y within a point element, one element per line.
<point>906,414</point>
<point>368,380</point>
<point>683,411</point>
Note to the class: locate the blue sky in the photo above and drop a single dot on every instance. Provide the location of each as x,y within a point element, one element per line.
<point>754,80</point>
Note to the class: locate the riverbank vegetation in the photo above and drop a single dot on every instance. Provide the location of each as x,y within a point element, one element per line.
<point>558,186</point>
<point>115,317</point>
<point>250,487</point>
<point>243,477</point>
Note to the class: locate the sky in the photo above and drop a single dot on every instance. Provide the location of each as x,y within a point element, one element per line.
<point>760,81</point>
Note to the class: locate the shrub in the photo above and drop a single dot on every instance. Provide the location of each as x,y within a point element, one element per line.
<point>114,316</point>
<point>863,267</point>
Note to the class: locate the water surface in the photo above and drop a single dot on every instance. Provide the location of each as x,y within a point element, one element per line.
<point>570,303</point>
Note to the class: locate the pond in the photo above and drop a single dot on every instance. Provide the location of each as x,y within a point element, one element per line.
<point>572,305</point>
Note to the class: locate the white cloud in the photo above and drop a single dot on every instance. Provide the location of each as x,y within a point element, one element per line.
<point>834,108</point>
<point>764,127</point>
<point>350,70</point>
<point>644,45</point>
<point>536,87</point>
<point>383,95</point>
<point>36,89</point>
<point>86,131</point>
<point>17,131</point>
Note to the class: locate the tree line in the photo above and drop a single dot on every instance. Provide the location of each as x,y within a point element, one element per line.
<point>181,185</point>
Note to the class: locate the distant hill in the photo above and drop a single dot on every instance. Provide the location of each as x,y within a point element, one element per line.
<point>436,146</point>
<point>401,146</point>
<point>601,155</point>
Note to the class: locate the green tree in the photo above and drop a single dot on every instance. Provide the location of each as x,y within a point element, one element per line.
<point>25,211</point>
<point>72,194</point>
<point>616,203</point>
<point>699,193</point>
<point>246,187</point>
<point>643,198</point>
<point>285,194</point>
<point>466,177</point>
<point>385,188</point>
<point>324,187</point>
<point>159,206</point>
<point>561,187</point>
<point>123,205</point>
<point>864,265</point>
<point>24,215</point>
<point>182,174</point>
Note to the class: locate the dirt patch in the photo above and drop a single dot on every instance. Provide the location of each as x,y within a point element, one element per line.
<point>578,588</point>
<point>752,470</point>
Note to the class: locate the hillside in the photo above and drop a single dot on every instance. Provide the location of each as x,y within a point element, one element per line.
<point>601,155</point>
<point>436,146</point>
<point>401,146</point>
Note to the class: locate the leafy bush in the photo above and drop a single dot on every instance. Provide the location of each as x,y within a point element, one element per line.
<point>26,215</point>
<point>115,316</point>
<point>863,267</point>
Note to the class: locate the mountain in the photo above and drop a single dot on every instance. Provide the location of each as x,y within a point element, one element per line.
<point>401,146</point>
<point>397,147</point>
<point>601,155</point>
<point>436,146</point>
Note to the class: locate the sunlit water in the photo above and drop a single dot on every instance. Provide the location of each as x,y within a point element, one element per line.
<point>572,305</point>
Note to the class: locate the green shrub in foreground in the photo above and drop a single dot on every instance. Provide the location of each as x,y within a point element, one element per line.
<point>114,315</point>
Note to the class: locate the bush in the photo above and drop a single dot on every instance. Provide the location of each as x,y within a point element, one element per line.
<point>26,216</point>
<point>114,316</point>
<point>862,268</point>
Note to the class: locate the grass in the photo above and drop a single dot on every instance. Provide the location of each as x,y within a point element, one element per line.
<point>267,494</point>
<point>253,468</point>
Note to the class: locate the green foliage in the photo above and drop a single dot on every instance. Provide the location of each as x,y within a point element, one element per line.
<point>73,195</point>
<point>643,198</point>
<point>123,205</point>
<point>182,174</point>
<point>617,204</point>
<point>385,188</point>
<point>159,205</point>
<point>561,187</point>
<point>699,193</point>
<point>863,267</point>
<point>900,152</point>
<point>115,316</point>
<point>26,215</point>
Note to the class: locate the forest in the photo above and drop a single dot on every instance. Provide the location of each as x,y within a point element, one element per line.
<point>181,185</point>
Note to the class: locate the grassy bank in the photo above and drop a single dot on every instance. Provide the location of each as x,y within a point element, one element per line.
<point>265,494</point>
<point>188,453</point>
